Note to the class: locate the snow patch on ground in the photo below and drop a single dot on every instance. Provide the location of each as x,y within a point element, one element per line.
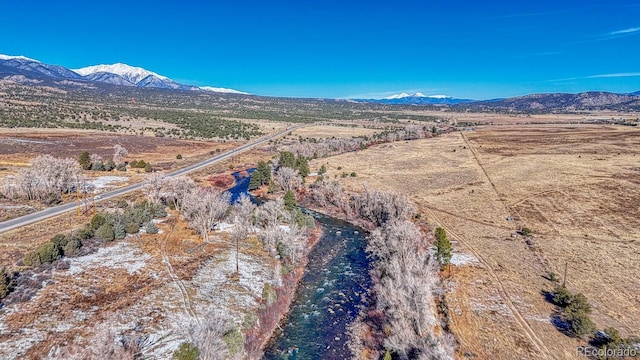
<point>459,259</point>
<point>215,287</point>
<point>104,182</point>
<point>14,207</point>
<point>121,255</point>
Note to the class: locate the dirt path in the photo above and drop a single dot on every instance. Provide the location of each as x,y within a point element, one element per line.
<point>186,300</point>
<point>527,330</point>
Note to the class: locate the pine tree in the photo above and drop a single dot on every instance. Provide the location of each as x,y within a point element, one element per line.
<point>85,160</point>
<point>289,200</point>
<point>256,180</point>
<point>443,247</point>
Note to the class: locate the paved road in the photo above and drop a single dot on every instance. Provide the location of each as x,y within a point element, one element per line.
<point>61,209</point>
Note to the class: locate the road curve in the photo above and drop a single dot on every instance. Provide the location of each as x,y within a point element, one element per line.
<point>61,209</point>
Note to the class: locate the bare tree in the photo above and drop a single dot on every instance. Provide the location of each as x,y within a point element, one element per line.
<point>154,186</point>
<point>104,343</point>
<point>269,213</point>
<point>95,158</point>
<point>119,153</point>
<point>243,218</point>
<point>207,336</point>
<point>202,208</point>
<point>405,280</point>
<point>287,178</point>
<point>382,207</point>
<point>46,179</point>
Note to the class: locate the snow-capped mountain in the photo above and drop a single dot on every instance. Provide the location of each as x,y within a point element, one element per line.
<point>26,70</point>
<point>222,90</point>
<point>132,74</point>
<point>22,65</point>
<point>19,57</point>
<point>418,98</point>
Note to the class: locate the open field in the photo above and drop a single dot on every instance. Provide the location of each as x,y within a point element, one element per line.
<point>577,188</point>
<point>327,131</point>
<point>17,146</point>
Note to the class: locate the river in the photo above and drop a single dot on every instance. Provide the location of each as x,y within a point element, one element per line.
<point>330,294</point>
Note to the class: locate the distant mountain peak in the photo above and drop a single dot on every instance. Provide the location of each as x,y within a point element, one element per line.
<point>222,90</point>
<point>416,95</point>
<point>19,57</point>
<point>130,73</point>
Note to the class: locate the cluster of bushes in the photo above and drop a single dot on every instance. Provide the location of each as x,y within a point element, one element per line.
<point>103,226</point>
<point>575,311</point>
<point>97,164</point>
<point>141,164</point>
<point>130,220</point>
<point>54,249</point>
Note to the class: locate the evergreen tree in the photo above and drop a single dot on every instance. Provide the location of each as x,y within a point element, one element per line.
<point>287,160</point>
<point>85,160</point>
<point>302,165</point>
<point>289,200</point>
<point>256,180</point>
<point>443,247</point>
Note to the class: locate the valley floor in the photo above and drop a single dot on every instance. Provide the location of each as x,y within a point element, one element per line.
<point>576,187</point>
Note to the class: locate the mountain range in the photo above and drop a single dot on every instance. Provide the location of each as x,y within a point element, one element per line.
<point>417,99</point>
<point>26,70</point>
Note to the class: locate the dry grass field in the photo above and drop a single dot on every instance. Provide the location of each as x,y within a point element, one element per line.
<point>327,131</point>
<point>576,186</point>
<point>18,146</point>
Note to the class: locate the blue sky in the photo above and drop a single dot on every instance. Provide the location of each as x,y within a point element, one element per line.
<point>468,49</point>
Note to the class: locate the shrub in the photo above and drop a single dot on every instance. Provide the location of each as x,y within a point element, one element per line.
<point>72,246</point>
<point>148,168</point>
<point>580,324</point>
<point>47,253</point>
<point>109,165</point>
<point>525,231</point>
<point>105,233</point>
<point>151,228</point>
<point>323,170</point>
<point>132,228</point>
<point>6,283</point>
<point>186,351</point>
<point>269,295</point>
<point>121,167</point>
<point>179,156</point>
<point>339,167</point>
<point>97,166</point>
<point>353,174</point>
<point>234,340</point>
<point>97,221</point>
<point>86,232</point>
<point>119,231</point>
<point>561,297</point>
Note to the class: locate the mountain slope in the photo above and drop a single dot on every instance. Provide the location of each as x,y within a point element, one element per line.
<point>592,100</point>
<point>108,78</point>
<point>20,65</point>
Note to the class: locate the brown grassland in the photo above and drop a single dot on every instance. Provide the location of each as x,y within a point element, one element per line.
<point>576,186</point>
